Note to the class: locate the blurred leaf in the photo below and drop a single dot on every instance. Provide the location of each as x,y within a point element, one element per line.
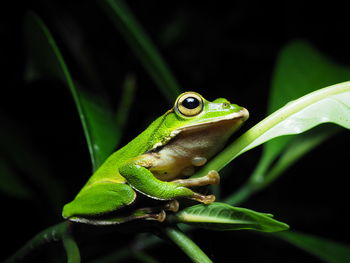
<point>325,249</point>
<point>142,46</point>
<point>143,257</point>
<point>300,146</point>
<point>143,242</point>
<point>11,184</point>
<point>221,216</point>
<point>23,164</point>
<point>300,69</point>
<point>53,233</point>
<point>174,30</point>
<point>73,36</point>
<point>98,122</point>
<point>126,100</point>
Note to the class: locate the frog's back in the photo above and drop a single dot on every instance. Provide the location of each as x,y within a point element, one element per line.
<point>108,171</point>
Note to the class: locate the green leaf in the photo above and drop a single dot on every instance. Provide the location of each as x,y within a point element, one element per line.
<point>331,104</point>
<point>221,216</point>
<point>101,131</point>
<point>142,46</point>
<point>325,249</point>
<point>327,105</point>
<point>300,69</point>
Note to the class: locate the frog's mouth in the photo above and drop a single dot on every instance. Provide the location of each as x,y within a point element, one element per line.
<point>234,119</point>
<point>227,125</point>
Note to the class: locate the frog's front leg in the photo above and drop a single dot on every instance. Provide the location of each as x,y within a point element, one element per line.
<point>141,179</point>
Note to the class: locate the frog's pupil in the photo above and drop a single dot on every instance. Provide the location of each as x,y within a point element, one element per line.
<point>190,103</point>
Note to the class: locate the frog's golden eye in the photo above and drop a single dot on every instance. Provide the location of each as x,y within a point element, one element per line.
<point>189,104</point>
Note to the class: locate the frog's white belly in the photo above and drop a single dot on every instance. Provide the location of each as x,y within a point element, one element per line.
<point>180,157</point>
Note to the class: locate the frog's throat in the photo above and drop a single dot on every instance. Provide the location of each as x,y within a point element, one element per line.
<point>241,115</point>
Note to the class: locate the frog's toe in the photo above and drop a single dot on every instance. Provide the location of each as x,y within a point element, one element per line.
<point>205,199</point>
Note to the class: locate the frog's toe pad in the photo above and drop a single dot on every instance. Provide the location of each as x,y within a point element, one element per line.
<point>172,206</point>
<point>213,177</point>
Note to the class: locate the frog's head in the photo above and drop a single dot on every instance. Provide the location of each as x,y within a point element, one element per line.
<point>192,110</point>
<point>207,121</point>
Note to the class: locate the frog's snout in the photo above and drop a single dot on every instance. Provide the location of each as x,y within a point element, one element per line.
<point>245,114</point>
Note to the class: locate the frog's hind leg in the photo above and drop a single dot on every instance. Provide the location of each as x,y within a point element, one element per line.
<point>98,199</point>
<point>157,213</point>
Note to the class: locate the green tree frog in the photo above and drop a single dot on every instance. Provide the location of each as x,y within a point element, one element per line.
<point>158,161</point>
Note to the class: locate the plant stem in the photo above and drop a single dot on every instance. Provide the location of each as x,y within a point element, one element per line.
<point>51,234</point>
<point>72,249</point>
<point>187,245</point>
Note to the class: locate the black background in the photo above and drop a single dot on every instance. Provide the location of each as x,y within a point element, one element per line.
<point>222,49</point>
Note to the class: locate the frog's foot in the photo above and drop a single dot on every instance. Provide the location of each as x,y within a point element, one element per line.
<point>212,177</point>
<point>160,217</point>
<point>172,206</point>
<point>158,213</point>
